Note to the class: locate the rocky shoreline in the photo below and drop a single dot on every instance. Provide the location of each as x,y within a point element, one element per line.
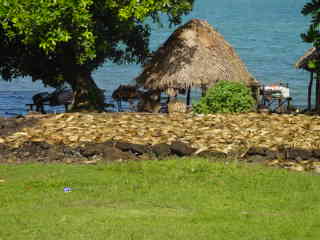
<point>288,141</point>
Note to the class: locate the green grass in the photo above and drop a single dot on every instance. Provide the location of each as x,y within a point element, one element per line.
<point>175,199</point>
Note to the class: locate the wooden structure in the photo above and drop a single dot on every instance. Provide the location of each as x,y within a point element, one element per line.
<point>304,62</point>
<point>127,93</point>
<point>141,101</point>
<point>32,107</point>
<point>275,97</point>
<point>194,56</point>
<point>60,97</point>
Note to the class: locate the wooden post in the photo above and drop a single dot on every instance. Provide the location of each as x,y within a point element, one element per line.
<point>188,96</point>
<point>204,89</point>
<point>317,92</point>
<point>310,91</point>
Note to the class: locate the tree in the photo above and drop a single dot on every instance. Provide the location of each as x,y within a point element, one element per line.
<point>60,41</point>
<point>313,36</point>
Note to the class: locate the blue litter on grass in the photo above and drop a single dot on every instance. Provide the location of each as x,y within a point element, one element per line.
<point>67,189</point>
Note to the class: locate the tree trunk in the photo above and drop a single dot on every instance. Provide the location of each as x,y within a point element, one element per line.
<point>87,96</point>
<point>310,91</point>
<point>188,96</point>
<point>317,92</point>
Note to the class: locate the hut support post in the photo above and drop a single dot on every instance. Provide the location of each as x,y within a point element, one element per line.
<point>310,91</point>
<point>317,92</point>
<point>188,96</point>
<point>204,89</point>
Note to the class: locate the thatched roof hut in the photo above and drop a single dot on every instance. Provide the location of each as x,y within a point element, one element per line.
<point>311,54</point>
<point>195,55</point>
<point>303,63</point>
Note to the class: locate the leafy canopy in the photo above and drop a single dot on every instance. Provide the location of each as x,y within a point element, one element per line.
<point>313,35</point>
<point>226,97</point>
<point>56,35</point>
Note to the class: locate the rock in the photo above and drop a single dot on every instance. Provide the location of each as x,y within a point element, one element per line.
<point>115,154</point>
<point>105,151</point>
<point>137,149</point>
<point>42,152</point>
<point>257,151</point>
<point>263,152</point>
<point>92,149</point>
<point>161,150</point>
<point>181,149</point>
<point>271,155</point>
<point>316,153</point>
<point>298,154</point>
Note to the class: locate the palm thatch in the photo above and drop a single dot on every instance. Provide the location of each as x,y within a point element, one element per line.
<point>195,55</point>
<point>303,62</point>
<point>126,93</point>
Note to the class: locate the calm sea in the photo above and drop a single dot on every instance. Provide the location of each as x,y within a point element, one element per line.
<point>266,35</point>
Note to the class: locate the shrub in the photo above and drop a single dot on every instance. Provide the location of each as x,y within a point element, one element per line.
<point>225,97</point>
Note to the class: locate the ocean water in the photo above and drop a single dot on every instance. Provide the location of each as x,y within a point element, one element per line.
<point>265,34</point>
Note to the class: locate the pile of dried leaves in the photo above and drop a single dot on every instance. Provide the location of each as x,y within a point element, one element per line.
<point>291,141</point>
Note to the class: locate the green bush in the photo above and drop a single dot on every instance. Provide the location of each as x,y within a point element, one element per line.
<point>226,97</point>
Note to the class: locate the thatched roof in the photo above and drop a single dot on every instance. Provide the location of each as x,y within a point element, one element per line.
<point>311,54</point>
<point>193,56</point>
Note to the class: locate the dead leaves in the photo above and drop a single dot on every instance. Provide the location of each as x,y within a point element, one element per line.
<point>215,132</point>
<point>222,132</point>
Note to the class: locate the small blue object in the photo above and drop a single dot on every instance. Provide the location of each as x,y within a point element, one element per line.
<point>67,189</point>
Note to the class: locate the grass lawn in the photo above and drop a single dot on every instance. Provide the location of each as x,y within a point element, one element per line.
<point>174,199</point>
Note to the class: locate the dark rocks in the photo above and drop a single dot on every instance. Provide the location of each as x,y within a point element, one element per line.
<point>257,151</point>
<point>316,153</point>
<point>161,150</point>
<point>122,151</point>
<point>115,154</point>
<point>282,152</point>
<point>38,151</point>
<point>137,149</point>
<point>105,151</point>
<point>297,154</point>
<point>92,149</point>
<point>181,149</point>
<point>263,153</point>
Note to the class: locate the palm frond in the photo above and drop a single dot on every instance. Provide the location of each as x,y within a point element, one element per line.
<point>311,8</point>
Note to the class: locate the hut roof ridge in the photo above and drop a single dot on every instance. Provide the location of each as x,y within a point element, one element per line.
<point>194,55</point>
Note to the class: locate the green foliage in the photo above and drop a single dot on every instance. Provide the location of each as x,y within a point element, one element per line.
<point>47,38</point>
<point>224,97</point>
<point>313,35</point>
